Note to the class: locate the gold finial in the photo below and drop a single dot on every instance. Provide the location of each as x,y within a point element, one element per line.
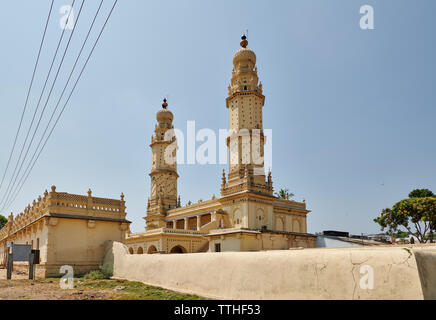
<point>53,188</point>
<point>244,42</point>
<point>122,196</point>
<point>164,104</point>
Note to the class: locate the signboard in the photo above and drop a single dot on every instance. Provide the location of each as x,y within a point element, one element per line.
<point>21,252</point>
<point>9,244</point>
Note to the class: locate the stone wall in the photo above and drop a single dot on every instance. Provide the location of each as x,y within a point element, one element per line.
<point>337,273</point>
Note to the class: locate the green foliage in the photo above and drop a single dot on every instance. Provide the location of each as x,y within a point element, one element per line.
<point>421,193</point>
<point>132,290</point>
<point>105,272</point>
<point>94,275</point>
<point>3,221</point>
<point>400,234</point>
<point>417,215</point>
<point>284,194</point>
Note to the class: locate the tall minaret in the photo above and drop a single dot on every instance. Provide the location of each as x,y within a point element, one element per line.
<point>246,139</point>
<point>163,169</point>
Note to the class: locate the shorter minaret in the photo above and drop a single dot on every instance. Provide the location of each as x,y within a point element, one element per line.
<point>163,174</point>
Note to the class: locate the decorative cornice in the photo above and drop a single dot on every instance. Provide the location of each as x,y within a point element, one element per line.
<point>245,93</point>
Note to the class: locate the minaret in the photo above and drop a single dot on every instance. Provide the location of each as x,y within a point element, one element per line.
<point>246,139</point>
<point>163,169</point>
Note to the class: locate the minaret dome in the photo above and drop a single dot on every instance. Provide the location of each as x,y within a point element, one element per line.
<point>164,115</point>
<point>244,56</point>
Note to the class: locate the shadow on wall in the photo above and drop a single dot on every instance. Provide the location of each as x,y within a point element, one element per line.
<point>426,262</point>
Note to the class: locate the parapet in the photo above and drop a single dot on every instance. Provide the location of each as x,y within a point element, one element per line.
<point>65,203</point>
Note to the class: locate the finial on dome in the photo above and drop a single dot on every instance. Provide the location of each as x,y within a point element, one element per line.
<point>244,42</point>
<point>164,104</point>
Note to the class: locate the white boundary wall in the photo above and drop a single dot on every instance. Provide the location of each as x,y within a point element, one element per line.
<point>326,273</point>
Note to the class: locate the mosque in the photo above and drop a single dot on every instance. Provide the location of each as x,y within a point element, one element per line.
<point>73,229</point>
<point>247,216</point>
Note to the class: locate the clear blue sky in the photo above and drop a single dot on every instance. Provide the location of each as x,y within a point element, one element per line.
<point>353,112</point>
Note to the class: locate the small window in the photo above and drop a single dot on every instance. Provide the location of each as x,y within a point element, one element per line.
<point>217,247</point>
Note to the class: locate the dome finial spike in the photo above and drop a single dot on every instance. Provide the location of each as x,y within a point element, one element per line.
<point>164,104</point>
<point>244,42</point>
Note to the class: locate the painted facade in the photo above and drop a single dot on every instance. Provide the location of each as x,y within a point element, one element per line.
<point>247,216</point>
<point>68,229</point>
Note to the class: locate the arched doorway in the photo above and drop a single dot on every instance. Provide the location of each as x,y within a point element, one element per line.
<point>151,249</point>
<point>140,250</point>
<point>178,249</point>
<point>131,250</point>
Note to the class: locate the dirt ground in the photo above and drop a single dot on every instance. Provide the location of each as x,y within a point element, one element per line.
<point>20,288</point>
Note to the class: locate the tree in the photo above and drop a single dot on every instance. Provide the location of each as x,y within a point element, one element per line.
<point>284,194</point>
<point>421,193</point>
<point>416,214</point>
<point>3,221</point>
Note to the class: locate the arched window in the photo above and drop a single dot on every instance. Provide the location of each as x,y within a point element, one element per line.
<point>140,250</point>
<point>237,218</point>
<point>131,250</point>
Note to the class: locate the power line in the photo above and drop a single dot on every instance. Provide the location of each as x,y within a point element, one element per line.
<point>57,105</point>
<point>28,94</point>
<point>68,99</point>
<point>46,102</point>
<point>6,195</point>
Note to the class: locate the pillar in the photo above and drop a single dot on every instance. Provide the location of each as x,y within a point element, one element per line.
<point>186,223</point>
<point>198,222</point>
<point>174,224</point>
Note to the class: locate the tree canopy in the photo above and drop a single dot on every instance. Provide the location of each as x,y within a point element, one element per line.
<point>416,214</point>
<point>284,194</point>
<point>3,221</point>
<point>421,193</point>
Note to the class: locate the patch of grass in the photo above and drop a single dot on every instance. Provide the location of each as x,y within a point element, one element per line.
<point>133,290</point>
<point>95,275</point>
<point>106,271</point>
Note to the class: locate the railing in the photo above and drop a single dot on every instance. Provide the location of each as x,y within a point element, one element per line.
<point>67,203</point>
